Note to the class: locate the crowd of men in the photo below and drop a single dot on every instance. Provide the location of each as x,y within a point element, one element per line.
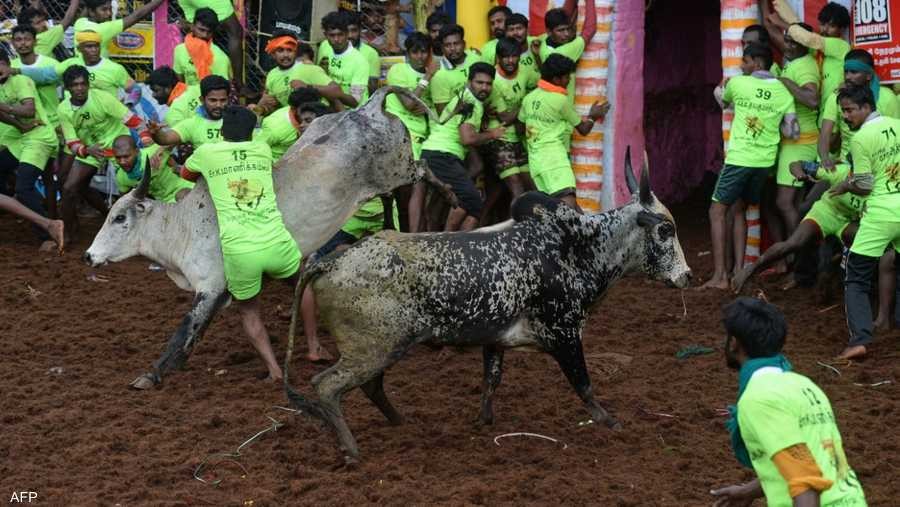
<point>809,139</point>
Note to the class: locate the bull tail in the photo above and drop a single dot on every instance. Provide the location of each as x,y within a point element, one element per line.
<point>382,93</point>
<point>298,400</point>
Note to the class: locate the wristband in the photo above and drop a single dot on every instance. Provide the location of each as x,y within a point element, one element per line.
<point>423,83</point>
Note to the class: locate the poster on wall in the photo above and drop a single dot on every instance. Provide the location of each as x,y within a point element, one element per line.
<point>876,28</point>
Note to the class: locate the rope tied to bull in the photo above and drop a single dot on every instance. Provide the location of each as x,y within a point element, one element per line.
<point>232,457</point>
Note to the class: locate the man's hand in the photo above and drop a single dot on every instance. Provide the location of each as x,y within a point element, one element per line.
<point>154,128</point>
<point>431,68</point>
<point>598,110</point>
<point>268,103</point>
<point>156,159</point>
<point>798,172</point>
<point>96,151</point>
<point>536,47</point>
<point>496,132</point>
<point>828,164</point>
<point>26,126</point>
<point>735,496</point>
<point>839,189</point>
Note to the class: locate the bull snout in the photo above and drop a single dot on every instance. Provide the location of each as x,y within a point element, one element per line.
<point>87,258</point>
<point>681,281</point>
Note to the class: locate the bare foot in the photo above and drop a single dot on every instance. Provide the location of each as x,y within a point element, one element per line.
<point>715,283</point>
<point>737,283</point>
<point>273,380</point>
<point>854,352</point>
<point>882,324</point>
<point>56,230</point>
<point>319,355</point>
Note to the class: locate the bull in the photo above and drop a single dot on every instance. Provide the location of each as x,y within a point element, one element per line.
<point>340,162</point>
<point>527,283</point>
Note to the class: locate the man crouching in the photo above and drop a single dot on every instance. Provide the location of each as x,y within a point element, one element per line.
<point>254,239</point>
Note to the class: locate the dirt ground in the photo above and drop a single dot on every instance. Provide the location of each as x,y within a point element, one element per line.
<point>74,433</point>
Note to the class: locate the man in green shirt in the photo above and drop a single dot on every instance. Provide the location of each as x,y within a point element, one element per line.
<point>130,163</point>
<point>48,37</point>
<point>90,120</point>
<point>281,129</point>
<point>876,159</point>
<point>224,10</point>
<point>23,40</point>
<point>801,77</point>
<point>507,156</point>
<point>763,114</point>
<point>204,126</point>
<point>255,242</point>
<point>497,17</point>
<point>369,53</point>
<point>529,47</point>
<point>99,19</point>
<point>346,66</point>
<point>561,39</point>
<point>454,72</point>
<point>415,74</point>
<point>198,56</point>
<point>27,133</point>
<point>106,75</point>
<point>446,146</point>
<point>783,425</point>
<point>549,118</point>
<point>858,71</point>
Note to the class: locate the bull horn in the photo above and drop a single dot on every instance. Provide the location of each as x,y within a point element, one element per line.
<point>144,186</point>
<point>645,196</point>
<point>629,172</point>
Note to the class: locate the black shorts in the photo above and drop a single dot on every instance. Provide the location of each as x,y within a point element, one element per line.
<point>738,182</point>
<point>452,171</point>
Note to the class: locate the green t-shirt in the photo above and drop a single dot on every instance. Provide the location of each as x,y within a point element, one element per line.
<point>278,83</point>
<point>224,9</point>
<point>527,59</point>
<point>184,66</point>
<point>369,53</point>
<point>759,106</point>
<point>279,132</point>
<point>239,176</point>
<point>876,150</point>
<point>48,40</point>
<point>782,409</point>
<point>887,106</point>
<point>572,50</point>
<point>47,93</point>
<point>310,74</point>
<point>164,184</point>
<point>445,137</point>
<point>847,204</point>
<point>14,91</point>
<point>98,121</point>
<point>107,30</point>
<point>446,83</point>
<point>199,130</point>
<point>549,118</point>
<point>404,76</point>
<point>350,69</point>
<point>507,95</point>
<point>106,75</point>
<point>833,64</point>
<point>804,70</point>
<point>184,106</point>
<point>489,52</point>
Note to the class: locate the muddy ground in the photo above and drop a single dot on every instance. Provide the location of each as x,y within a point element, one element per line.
<point>74,433</point>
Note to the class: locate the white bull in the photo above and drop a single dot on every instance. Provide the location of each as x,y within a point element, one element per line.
<point>339,163</point>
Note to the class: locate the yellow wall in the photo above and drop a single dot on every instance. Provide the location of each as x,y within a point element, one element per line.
<point>472,16</point>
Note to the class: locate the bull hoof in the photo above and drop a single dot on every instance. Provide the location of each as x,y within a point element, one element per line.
<point>613,424</point>
<point>144,382</point>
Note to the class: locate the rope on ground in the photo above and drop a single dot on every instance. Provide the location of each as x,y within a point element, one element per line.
<point>525,434</point>
<point>231,457</point>
<point>693,350</point>
<point>832,368</point>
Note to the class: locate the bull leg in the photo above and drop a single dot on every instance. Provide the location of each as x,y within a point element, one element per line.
<point>570,357</point>
<point>374,390</point>
<point>442,188</point>
<point>331,385</point>
<point>205,307</point>
<point>493,371</point>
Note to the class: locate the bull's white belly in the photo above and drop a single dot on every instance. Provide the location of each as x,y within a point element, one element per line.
<point>519,334</point>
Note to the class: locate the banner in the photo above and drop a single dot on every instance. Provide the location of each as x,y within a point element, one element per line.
<point>876,28</point>
<point>136,42</point>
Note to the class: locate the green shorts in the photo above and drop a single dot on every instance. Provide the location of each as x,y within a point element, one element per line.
<point>243,272</point>
<point>873,237</point>
<point>830,222</point>
<point>789,153</point>
<point>36,149</point>
<point>738,182</point>
<point>556,182</point>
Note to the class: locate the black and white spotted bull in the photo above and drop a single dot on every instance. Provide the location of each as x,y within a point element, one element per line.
<point>527,284</point>
<point>341,161</point>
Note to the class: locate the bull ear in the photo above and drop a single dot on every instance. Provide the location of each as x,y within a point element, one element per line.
<point>629,172</point>
<point>645,195</point>
<point>144,186</point>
